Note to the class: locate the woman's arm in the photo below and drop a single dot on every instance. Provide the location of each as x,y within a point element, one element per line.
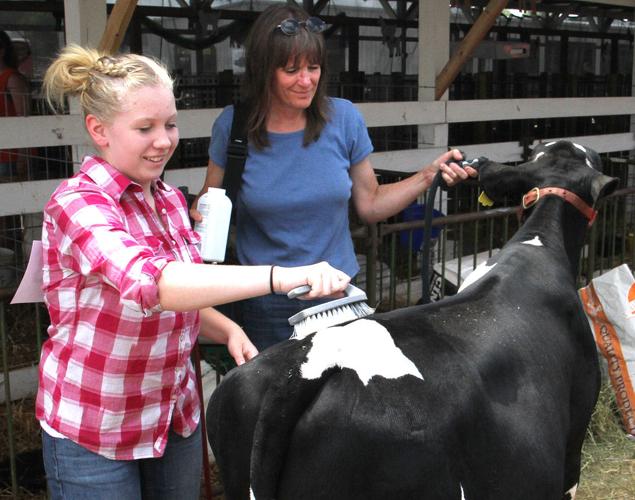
<point>220,329</point>
<point>20,95</point>
<point>375,202</point>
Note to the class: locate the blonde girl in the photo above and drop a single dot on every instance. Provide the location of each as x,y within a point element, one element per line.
<point>128,294</point>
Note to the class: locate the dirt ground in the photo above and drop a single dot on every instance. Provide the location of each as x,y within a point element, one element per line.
<point>608,457</point>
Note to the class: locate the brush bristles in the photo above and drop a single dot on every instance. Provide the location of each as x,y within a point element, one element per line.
<point>331,317</point>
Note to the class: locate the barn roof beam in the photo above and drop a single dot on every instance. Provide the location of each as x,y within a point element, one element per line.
<point>479,30</point>
<point>582,8</point>
<point>117,25</point>
<point>413,11</point>
<point>390,12</point>
<point>554,20</point>
<point>319,6</point>
<point>549,32</point>
<point>614,9</point>
<point>143,15</point>
<point>600,24</point>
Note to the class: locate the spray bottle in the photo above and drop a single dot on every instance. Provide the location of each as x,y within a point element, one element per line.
<point>215,208</point>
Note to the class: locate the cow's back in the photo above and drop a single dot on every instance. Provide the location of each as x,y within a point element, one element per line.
<point>474,423</point>
<point>468,426</point>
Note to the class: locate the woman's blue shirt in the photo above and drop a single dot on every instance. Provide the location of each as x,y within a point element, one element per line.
<point>293,205</point>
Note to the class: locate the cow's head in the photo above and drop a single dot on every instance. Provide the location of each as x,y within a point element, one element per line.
<point>560,164</point>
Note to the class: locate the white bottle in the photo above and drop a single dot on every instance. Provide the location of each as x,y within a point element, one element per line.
<point>216,209</point>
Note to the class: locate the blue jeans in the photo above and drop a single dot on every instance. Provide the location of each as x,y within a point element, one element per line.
<point>75,473</point>
<point>266,319</point>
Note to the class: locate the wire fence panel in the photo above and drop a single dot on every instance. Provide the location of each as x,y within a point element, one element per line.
<point>462,240</point>
<point>463,235</point>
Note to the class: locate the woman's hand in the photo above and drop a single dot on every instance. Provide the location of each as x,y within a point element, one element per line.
<point>451,171</point>
<point>213,178</point>
<point>323,279</point>
<point>239,346</point>
<point>194,213</point>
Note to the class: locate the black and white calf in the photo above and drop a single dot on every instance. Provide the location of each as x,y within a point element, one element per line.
<point>484,395</point>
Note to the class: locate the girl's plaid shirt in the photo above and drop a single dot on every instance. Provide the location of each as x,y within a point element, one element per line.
<point>115,373</point>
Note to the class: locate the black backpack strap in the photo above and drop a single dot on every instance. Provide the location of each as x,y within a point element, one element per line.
<point>236,153</point>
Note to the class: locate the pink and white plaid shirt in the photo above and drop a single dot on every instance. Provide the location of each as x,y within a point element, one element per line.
<point>115,373</point>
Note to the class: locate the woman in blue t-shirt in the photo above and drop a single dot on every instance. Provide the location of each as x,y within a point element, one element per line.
<point>308,156</point>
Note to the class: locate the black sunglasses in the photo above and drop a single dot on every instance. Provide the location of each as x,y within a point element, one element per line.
<point>292,26</point>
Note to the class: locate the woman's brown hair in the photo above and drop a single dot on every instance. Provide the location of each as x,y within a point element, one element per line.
<point>268,49</point>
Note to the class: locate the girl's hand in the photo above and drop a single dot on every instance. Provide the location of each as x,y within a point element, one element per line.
<point>239,346</point>
<point>323,279</point>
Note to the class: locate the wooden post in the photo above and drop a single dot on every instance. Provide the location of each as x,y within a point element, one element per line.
<point>84,23</point>
<point>478,31</point>
<point>116,26</point>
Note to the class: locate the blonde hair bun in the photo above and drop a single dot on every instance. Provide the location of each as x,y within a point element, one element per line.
<point>99,80</point>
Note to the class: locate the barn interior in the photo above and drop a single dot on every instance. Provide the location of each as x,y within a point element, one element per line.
<point>492,78</point>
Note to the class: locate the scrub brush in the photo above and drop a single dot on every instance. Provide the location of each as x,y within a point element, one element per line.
<point>332,313</point>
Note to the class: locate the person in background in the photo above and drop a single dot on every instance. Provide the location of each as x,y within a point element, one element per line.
<point>25,57</point>
<point>15,100</point>
<point>128,295</point>
<point>308,156</point>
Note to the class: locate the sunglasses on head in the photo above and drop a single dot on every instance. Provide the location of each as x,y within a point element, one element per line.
<point>292,26</point>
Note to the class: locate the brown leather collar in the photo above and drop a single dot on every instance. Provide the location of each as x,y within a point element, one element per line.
<point>532,197</point>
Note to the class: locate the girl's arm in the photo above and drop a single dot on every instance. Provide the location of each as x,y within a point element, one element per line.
<point>220,329</point>
<point>185,286</point>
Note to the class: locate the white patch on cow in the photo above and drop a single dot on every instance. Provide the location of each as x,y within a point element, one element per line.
<point>462,493</point>
<point>581,148</point>
<point>251,494</point>
<point>535,242</point>
<point>480,271</point>
<point>538,156</point>
<point>364,346</point>
<point>572,492</point>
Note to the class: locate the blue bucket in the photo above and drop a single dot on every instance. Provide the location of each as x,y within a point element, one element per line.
<point>416,211</point>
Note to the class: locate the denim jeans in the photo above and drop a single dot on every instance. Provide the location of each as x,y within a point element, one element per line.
<point>75,473</point>
<point>266,319</point>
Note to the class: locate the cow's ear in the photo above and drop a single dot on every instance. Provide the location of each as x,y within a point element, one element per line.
<point>602,186</point>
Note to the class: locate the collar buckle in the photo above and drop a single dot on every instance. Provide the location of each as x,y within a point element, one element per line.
<point>527,201</point>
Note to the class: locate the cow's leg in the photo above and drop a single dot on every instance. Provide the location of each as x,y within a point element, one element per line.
<point>570,495</point>
<point>230,426</point>
<point>583,397</point>
<point>572,475</point>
